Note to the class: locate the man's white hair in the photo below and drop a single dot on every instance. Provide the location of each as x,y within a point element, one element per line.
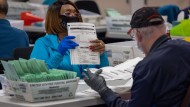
<point>147,31</point>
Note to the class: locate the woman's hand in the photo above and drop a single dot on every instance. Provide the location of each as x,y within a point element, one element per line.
<point>97,46</point>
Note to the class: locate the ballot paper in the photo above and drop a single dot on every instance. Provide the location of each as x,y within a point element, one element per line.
<point>84,33</point>
<point>118,78</point>
<point>120,71</point>
<point>118,89</point>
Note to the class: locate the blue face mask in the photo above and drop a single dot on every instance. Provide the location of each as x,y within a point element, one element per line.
<point>68,19</point>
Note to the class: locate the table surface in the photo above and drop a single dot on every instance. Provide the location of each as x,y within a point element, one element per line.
<point>80,99</point>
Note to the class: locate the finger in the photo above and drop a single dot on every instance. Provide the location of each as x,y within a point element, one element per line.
<point>73,46</point>
<point>98,72</point>
<point>69,37</point>
<point>85,76</point>
<point>97,46</point>
<point>96,49</point>
<point>89,73</point>
<point>72,43</point>
<point>95,41</point>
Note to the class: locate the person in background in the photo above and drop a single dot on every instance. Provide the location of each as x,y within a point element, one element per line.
<point>55,45</point>
<point>171,11</point>
<point>48,2</point>
<point>162,78</point>
<point>10,37</point>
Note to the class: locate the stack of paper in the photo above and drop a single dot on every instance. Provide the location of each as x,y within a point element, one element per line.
<point>121,71</point>
<point>84,33</point>
<point>34,71</point>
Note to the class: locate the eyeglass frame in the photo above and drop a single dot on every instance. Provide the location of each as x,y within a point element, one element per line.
<point>68,14</point>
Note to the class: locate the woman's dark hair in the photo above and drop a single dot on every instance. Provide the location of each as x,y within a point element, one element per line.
<point>52,23</point>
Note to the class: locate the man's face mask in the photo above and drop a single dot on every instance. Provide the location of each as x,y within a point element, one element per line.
<point>67,19</point>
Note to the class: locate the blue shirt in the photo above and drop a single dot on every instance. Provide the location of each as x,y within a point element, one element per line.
<point>48,2</point>
<point>11,38</point>
<point>45,48</point>
<point>161,79</point>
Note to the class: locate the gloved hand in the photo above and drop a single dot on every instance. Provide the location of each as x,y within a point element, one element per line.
<point>95,81</point>
<point>66,44</point>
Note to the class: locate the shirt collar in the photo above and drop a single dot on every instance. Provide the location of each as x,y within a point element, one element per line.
<point>159,42</point>
<point>5,22</point>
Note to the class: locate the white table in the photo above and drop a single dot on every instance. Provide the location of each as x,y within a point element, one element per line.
<point>101,28</point>
<point>80,100</point>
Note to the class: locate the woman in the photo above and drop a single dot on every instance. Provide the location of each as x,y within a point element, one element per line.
<point>54,46</point>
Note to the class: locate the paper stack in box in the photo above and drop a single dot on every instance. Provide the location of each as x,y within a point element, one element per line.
<point>91,17</point>
<point>30,80</point>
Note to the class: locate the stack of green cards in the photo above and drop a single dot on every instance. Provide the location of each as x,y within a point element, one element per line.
<point>34,70</point>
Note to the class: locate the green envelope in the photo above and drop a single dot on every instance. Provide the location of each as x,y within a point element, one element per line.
<point>35,66</point>
<point>43,67</point>
<point>18,67</point>
<point>23,64</point>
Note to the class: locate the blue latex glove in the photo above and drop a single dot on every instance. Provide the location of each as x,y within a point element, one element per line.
<point>66,44</point>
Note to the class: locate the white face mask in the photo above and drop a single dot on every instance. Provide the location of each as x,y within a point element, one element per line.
<point>133,34</point>
<point>139,46</point>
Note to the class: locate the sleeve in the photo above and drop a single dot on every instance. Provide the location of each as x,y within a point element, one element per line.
<point>26,39</point>
<point>104,60</point>
<point>41,51</point>
<point>141,94</point>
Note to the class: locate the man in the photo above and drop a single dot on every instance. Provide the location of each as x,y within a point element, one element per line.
<point>162,78</point>
<point>10,37</point>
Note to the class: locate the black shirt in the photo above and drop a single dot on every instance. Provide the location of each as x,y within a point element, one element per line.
<point>161,79</point>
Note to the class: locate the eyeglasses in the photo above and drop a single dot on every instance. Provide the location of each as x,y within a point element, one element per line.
<point>76,14</point>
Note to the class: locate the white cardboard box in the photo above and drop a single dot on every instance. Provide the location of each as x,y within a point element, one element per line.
<point>17,24</point>
<point>44,91</point>
<point>119,54</point>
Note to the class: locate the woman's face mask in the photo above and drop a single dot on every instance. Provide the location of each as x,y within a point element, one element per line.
<point>68,19</point>
<point>68,14</point>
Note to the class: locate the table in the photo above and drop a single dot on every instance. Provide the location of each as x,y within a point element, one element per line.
<point>80,100</point>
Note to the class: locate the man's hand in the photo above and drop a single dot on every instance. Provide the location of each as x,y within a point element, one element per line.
<point>95,81</point>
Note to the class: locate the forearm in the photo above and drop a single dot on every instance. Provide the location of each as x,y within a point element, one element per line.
<point>54,60</point>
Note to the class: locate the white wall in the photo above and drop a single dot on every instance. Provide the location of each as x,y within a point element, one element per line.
<point>181,3</point>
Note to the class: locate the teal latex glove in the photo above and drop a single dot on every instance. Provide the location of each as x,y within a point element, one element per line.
<point>66,44</point>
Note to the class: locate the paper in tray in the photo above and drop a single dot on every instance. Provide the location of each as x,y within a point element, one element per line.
<point>44,91</point>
